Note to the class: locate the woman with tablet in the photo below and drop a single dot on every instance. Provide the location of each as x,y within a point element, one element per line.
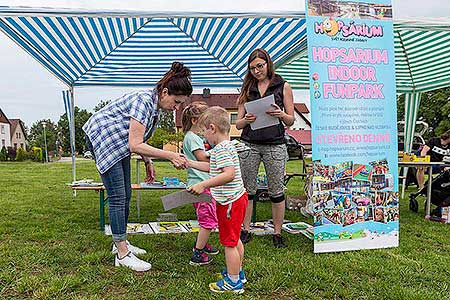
<point>267,144</point>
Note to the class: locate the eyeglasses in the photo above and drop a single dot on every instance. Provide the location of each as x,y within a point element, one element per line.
<point>258,66</point>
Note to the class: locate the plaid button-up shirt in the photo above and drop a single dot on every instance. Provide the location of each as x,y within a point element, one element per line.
<point>108,128</point>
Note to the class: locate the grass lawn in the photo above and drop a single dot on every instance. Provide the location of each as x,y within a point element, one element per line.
<point>51,248</point>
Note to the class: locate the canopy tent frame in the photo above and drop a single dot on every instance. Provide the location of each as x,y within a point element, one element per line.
<point>24,39</point>
<point>17,21</point>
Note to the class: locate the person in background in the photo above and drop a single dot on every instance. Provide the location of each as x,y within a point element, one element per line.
<point>228,190</point>
<point>266,144</point>
<point>194,149</point>
<point>437,148</point>
<point>122,127</point>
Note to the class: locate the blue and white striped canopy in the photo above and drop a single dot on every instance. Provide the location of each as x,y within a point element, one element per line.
<point>119,50</point>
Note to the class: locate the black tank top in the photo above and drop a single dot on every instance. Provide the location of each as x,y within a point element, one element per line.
<point>273,135</point>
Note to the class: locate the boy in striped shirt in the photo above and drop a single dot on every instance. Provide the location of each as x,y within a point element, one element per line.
<point>228,190</point>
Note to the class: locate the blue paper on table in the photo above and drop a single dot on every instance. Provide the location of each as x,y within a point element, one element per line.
<point>182,198</point>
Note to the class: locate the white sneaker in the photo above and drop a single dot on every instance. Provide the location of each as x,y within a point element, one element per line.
<point>132,262</point>
<point>135,250</point>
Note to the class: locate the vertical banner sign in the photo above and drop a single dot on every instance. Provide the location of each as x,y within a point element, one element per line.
<point>354,117</point>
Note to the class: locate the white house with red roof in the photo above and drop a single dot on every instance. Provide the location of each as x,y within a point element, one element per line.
<point>12,132</point>
<point>5,131</point>
<point>18,134</point>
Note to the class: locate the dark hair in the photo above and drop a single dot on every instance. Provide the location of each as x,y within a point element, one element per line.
<point>445,136</point>
<point>177,80</point>
<point>249,79</point>
<point>193,110</point>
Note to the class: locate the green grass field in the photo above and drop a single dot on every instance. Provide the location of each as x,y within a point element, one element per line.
<point>51,248</point>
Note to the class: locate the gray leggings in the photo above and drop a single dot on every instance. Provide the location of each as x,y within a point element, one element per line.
<point>274,158</point>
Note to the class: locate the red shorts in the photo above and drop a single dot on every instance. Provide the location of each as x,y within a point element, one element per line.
<point>230,228</point>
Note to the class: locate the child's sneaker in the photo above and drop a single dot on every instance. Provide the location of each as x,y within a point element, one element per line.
<point>200,258</point>
<point>245,236</point>
<point>211,250</point>
<point>226,285</point>
<point>241,275</point>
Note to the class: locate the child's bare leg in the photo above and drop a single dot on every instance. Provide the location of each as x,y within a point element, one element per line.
<point>202,238</point>
<point>240,249</point>
<point>248,215</point>
<point>420,177</point>
<point>233,260</point>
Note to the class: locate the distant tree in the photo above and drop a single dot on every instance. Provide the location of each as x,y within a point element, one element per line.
<point>176,139</point>
<point>20,154</point>
<point>101,104</point>
<point>444,125</point>
<point>430,110</point>
<point>167,121</point>
<point>161,137</point>
<point>81,116</point>
<point>37,154</point>
<point>165,131</point>
<point>3,154</point>
<point>11,153</point>
<point>434,109</point>
<point>36,135</point>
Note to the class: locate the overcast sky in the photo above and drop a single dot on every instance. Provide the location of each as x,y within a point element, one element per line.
<point>29,92</point>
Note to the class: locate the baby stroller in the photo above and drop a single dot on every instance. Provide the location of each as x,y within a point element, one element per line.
<point>440,192</point>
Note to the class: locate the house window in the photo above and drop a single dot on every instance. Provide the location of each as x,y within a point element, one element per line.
<point>233,118</point>
<point>19,135</point>
<point>21,146</point>
<point>3,143</point>
<point>3,129</point>
<point>15,146</point>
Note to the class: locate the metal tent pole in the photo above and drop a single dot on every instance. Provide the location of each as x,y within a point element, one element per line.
<point>72,134</point>
<point>412,102</point>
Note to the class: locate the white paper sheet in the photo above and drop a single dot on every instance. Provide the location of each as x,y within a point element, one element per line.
<point>182,198</point>
<point>259,108</point>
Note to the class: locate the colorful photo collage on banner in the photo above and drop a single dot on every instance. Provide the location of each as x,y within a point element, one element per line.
<point>354,9</point>
<point>354,124</point>
<point>346,194</point>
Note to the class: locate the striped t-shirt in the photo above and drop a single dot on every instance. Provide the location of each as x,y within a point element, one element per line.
<point>223,155</point>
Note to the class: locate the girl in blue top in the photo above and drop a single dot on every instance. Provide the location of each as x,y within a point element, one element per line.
<point>194,149</point>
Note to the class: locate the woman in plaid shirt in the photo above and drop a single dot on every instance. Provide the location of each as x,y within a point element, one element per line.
<point>121,128</point>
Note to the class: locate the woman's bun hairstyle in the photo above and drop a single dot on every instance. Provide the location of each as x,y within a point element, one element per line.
<point>179,70</point>
<point>177,80</point>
